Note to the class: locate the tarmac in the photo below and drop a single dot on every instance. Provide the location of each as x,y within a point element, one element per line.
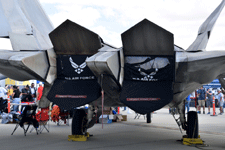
<point>134,134</point>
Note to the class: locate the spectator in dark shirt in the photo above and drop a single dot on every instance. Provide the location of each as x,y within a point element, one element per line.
<point>33,91</point>
<point>209,99</point>
<point>201,99</point>
<point>16,98</point>
<point>26,94</point>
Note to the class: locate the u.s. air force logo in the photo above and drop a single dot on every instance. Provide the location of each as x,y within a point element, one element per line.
<point>78,68</point>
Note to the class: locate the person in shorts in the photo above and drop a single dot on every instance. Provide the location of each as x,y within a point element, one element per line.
<point>220,100</point>
<point>201,100</point>
<point>209,99</point>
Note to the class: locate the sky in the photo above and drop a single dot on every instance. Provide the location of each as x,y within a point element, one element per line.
<point>109,19</point>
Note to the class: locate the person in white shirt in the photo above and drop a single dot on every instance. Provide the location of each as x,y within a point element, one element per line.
<point>3,93</point>
<point>33,91</point>
<point>220,100</point>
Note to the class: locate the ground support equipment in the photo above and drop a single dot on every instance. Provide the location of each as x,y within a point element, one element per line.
<point>192,141</point>
<point>78,137</point>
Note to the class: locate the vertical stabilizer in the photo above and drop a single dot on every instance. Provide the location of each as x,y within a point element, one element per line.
<point>205,30</point>
<point>25,18</point>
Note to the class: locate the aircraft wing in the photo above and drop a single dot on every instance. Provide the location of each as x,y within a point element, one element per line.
<point>205,30</point>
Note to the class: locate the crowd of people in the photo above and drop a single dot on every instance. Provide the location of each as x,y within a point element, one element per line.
<point>205,98</point>
<point>27,94</point>
<point>208,96</point>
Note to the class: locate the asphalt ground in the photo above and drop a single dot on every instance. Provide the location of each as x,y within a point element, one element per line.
<point>162,134</point>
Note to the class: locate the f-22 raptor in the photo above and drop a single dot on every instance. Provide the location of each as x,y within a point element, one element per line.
<point>78,67</point>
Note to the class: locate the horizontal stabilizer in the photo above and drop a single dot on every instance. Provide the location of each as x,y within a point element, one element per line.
<point>149,67</point>
<point>147,38</point>
<point>72,39</point>
<point>75,85</point>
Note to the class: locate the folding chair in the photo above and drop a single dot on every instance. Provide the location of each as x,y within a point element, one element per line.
<point>43,118</point>
<point>27,117</point>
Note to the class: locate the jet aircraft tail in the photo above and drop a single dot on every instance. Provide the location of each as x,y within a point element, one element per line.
<point>205,30</point>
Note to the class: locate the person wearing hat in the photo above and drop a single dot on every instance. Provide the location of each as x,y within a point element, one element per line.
<point>220,100</point>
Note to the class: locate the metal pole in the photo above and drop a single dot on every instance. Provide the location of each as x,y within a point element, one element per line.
<point>8,104</point>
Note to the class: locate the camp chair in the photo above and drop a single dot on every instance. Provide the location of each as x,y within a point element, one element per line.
<point>27,117</point>
<point>42,117</point>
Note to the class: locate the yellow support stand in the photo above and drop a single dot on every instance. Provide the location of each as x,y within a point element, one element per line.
<point>78,137</point>
<point>192,141</point>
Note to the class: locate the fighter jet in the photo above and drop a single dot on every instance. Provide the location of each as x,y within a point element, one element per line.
<point>159,73</point>
<point>79,68</point>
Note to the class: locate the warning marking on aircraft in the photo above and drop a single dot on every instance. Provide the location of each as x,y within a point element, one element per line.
<point>70,96</point>
<point>143,99</point>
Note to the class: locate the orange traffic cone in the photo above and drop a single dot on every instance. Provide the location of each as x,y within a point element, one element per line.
<point>214,107</point>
